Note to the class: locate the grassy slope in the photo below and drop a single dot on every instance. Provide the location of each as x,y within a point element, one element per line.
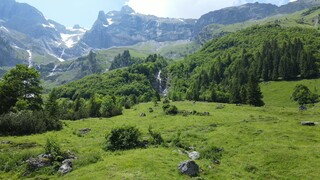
<point>259,143</point>
<point>290,20</point>
<point>279,93</point>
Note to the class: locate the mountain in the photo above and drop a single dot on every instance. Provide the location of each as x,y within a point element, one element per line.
<point>26,29</point>
<point>250,11</point>
<point>126,27</point>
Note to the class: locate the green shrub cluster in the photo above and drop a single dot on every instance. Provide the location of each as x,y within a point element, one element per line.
<point>27,122</point>
<point>124,138</point>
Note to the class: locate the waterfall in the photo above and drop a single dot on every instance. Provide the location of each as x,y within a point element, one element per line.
<point>161,90</point>
<point>159,80</point>
<point>53,71</point>
<point>29,58</point>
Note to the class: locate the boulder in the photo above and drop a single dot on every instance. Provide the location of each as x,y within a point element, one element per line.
<point>66,166</point>
<point>308,123</point>
<point>143,115</point>
<point>84,131</point>
<point>42,160</point>
<point>189,168</point>
<point>194,155</point>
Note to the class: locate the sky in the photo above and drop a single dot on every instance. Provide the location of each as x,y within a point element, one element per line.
<point>85,12</point>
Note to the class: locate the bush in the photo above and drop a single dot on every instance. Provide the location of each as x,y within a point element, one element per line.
<point>27,122</point>
<point>156,138</point>
<point>53,148</point>
<point>123,138</point>
<point>171,110</point>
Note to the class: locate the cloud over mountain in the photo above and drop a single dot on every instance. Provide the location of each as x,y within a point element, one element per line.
<point>188,8</point>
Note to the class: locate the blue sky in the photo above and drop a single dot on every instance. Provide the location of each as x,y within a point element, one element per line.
<point>85,12</point>
<point>71,12</point>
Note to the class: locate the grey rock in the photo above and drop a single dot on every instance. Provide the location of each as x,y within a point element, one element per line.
<point>66,166</point>
<point>126,27</point>
<point>194,155</point>
<point>42,160</point>
<point>84,131</point>
<point>143,115</point>
<point>308,123</point>
<point>189,168</point>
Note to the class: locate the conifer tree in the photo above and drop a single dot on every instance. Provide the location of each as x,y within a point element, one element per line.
<point>254,95</point>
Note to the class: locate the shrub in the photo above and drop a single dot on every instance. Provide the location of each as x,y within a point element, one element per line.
<point>123,138</point>
<point>53,148</point>
<point>156,138</point>
<point>171,110</point>
<point>27,122</point>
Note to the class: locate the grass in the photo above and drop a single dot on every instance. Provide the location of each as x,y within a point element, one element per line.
<point>287,20</point>
<point>258,143</point>
<point>279,93</point>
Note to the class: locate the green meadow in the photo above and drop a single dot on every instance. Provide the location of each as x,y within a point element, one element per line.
<point>256,142</point>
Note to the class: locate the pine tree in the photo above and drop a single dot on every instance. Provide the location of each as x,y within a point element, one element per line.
<point>254,95</point>
<point>51,105</point>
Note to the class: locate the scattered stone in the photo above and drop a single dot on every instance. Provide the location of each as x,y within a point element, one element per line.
<point>66,167</point>
<point>84,131</point>
<point>206,113</point>
<point>216,161</point>
<point>182,151</point>
<point>308,123</point>
<point>42,160</point>
<point>194,155</point>
<point>189,168</point>
<point>143,115</point>
<point>70,155</point>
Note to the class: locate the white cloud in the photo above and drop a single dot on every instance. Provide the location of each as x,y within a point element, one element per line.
<point>178,8</point>
<point>186,8</point>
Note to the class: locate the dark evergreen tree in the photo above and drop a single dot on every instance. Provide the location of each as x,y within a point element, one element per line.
<point>254,95</point>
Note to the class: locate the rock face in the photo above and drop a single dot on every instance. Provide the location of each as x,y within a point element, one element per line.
<point>66,167</point>
<point>233,15</point>
<point>189,168</point>
<point>207,23</point>
<point>126,27</point>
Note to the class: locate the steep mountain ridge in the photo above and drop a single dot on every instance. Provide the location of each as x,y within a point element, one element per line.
<point>250,11</point>
<point>126,27</point>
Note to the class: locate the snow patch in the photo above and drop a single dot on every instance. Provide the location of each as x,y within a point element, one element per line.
<point>82,30</point>
<point>53,71</point>
<point>48,26</point>
<point>4,28</point>
<point>104,25</point>
<point>110,22</point>
<point>72,38</point>
<point>60,59</point>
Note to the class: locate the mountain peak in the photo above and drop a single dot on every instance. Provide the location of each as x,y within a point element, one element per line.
<point>127,10</point>
<point>102,15</point>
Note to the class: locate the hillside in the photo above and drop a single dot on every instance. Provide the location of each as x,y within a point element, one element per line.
<point>306,19</point>
<point>227,61</point>
<point>257,143</point>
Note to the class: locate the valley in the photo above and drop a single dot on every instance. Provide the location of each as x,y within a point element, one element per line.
<point>233,94</point>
